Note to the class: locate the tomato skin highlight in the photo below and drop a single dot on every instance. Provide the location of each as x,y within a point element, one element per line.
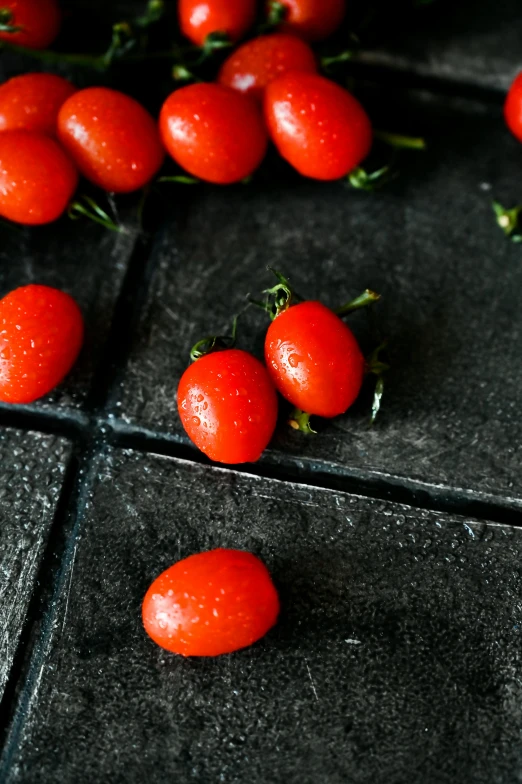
<point>513,108</point>
<point>213,132</point>
<point>211,603</point>
<point>313,20</point>
<point>258,62</point>
<point>314,359</point>
<point>40,20</point>
<point>41,334</point>
<point>32,101</point>
<point>228,406</point>
<point>200,18</point>
<point>112,139</point>
<point>317,126</point>
<point>37,179</point>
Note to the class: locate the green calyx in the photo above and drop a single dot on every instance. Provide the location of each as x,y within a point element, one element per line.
<point>508,220</point>
<point>6,17</point>
<point>276,13</point>
<point>215,342</point>
<point>378,368</point>
<point>300,420</point>
<point>362,180</point>
<point>278,298</point>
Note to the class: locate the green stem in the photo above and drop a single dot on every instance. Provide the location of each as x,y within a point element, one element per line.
<point>507,219</point>
<point>368,297</point>
<point>182,179</point>
<point>300,420</point>
<point>46,55</point>
<point>362,180</point>
<point>343,57</point>
<point>86,207</point>
<point>378,368</point>
<point>399,141</point>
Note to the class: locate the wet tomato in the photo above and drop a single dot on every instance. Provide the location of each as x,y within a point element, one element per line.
<point>32,101</point>
<point>41,334</point>
<point>313,20</point>
<point>513,108</point>
<point>317,126</point>
<point>37,179</point>
<point>112,139</point>
<point>314,359</point>
<point>211,603</point>
<point>200,18</point>
<point>258,62</point>
<point>213,132</point>
<point>228,406</point>
<point>39,21</point>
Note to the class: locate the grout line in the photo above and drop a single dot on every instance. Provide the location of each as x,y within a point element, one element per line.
<point>70,424</point>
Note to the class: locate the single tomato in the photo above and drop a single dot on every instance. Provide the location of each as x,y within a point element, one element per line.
<point>312,20</point>
<point>513,108</point>
<point>41,334</point>
<point>258,62</point>
<point>228,406</point>
<point>200,18</point>
<point>112,139</point>
<point>211,603</point>
<point>213,132</point>
<point>317,126</point>
<point>314,360</point>
<point>37,179</point>
<point>32,101</point>
<point>38,20</point>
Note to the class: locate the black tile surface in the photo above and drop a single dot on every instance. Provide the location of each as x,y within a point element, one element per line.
<point>428,243</point>
<point>32,470</point>
<point>396,656</point>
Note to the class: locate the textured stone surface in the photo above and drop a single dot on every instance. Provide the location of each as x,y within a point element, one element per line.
<point>429,243</point>
<point>32,468</point>
<point>395,659</point>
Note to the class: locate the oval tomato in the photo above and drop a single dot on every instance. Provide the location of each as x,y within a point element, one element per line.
<point>317,126</point>
<point>112,139</point>
<point>513,108</point>
<point>211,603</point>
<point>314,360</point>
<point>313,20</point>
<point>258,62</point>
<point>228,406</point>
<point>213,132</point>
<point>32,101</point>
<point>41,334</point>
<point>39,21</point>
<point>200,18</point>
<point>37,179</point>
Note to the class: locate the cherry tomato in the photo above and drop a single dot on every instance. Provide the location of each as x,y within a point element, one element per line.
<point>39,20</point>
<point>37,179</point>
<point>317,126</point>
<point>211,603</point>
<point>258,62</point>
<point>113,140</point>
<point>513,108</point>
<point>313,20</point>
<point>314,359</point>
<point>32,101</point>
<point>41,334</point>
<point>213,132</point>
<point>199,18</point>
<point>228,406</point>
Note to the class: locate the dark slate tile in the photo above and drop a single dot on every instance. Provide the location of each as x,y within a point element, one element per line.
<point>31,477</point>
<point>428,243</point>
<point>395,659</point>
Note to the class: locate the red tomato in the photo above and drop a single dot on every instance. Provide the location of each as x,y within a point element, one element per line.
<point>113,140</point>
<point>317,126</point>
<point>258,62</point>
<point>32,101</point>
<point>513,108</point>
<point>199,18</point>
<point>37,179</point>
<point>314,359</point>
<point>41,334</point>
<point>211,603</point>
<point>228,406</point>
<point>213,132</point>
<point>313,20</point>
<point>40,20</point>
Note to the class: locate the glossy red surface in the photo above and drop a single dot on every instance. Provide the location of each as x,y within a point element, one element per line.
<point>32,101</point>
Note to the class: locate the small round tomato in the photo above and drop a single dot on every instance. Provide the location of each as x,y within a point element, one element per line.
<point>41,334</point>
<point>513,108</point>
<point>200,18</point>
<point>32,101</point>
<point>228,406</point>
<point>258,62</point>
<point>213,132</point>
<point>211,603</point>
<point>113,140</point>
<point>317,126</point>
<point>37,179</point>
<point>313,20</point>
<point>39,21</point>
<point>314,359</point>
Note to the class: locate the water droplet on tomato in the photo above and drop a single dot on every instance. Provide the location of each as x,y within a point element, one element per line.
<point>196,421</point>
